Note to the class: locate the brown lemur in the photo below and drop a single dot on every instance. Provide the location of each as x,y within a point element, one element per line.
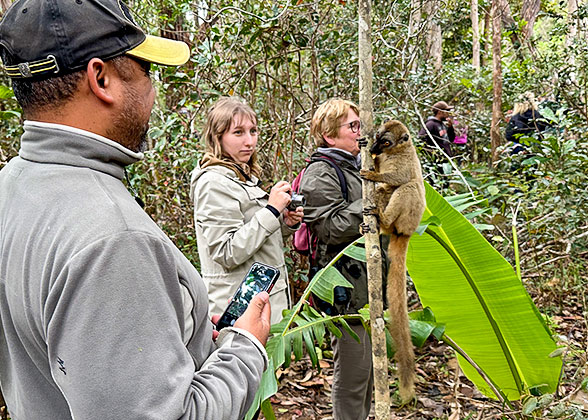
<point>400,203</point>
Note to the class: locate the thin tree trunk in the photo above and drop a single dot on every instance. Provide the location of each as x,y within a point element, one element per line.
<point>486,36</point>
<point>174,29</point>
<point>372,239</point>
<point>437,44</point>
<point>433,35</point>
<point>529,13</point>
<point>475,36</point>
<point>414,23</point>
<point>496,78</point>
<point>314,67</point>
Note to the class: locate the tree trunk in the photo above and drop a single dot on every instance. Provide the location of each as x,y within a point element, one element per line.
<point>529,13</point>
<point>475,36</point>
<point>518,39</point>
<point>433,35</point>
<point>372,238</point>
<point>314,65</point>
<point>496,78</point>
<point>410,63</point>
<point>486,36</point>
<point>174,29</point>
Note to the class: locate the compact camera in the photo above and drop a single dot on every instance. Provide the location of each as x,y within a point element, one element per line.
<point>298,200</point>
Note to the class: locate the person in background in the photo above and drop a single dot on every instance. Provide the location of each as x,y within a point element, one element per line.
<point>238,223</point>
<point>335,129</point>
<point>101,316</point>
<point>524,122</point>
<point>438,129</point>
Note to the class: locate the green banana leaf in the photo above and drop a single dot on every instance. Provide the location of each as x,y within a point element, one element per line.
<point>476,294</point>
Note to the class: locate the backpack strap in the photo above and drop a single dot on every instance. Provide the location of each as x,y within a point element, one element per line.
<point>342,180</point>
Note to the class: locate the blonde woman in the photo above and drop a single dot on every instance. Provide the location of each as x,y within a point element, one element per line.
<point>237,222</point>
<point>334,218</point>
<point>525,121</point>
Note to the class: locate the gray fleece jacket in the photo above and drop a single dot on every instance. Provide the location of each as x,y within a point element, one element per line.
<point>101,316</point>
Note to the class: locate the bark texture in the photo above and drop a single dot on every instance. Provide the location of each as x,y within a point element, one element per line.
<point>372,241</point>
<point>475,35</point>
<point>496,78</point>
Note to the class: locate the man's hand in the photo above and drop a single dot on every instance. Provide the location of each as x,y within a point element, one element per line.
<point>256,318</point>
<point>214,320</point>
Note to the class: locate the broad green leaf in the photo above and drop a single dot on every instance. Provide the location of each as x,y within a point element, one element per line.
<point>309,342</point>
<point>287,352</point>
<point>426,315</point>
<point>356,252</point>
<point>390,350</point>
<point>349,330</point>
<point>329,278</point>
<point>298,346</point>
<point>267,388</point>
<point>420,331</point>
<point>318,329</point>
<point>475,292</point>
<point>333,329</point>
<point>433,220</point>
<point>267,410</point>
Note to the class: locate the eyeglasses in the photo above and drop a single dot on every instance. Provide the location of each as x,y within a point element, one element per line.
<point>354,126</point>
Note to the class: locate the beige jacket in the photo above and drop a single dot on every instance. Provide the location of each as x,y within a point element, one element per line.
<point>234,230</point>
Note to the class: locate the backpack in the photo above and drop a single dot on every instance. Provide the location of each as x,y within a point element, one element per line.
<point>303,241</point>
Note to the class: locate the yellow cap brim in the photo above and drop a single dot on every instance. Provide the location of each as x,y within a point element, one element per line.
<point>161,51</point>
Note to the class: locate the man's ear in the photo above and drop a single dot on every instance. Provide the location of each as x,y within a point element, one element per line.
<point>100,79</point>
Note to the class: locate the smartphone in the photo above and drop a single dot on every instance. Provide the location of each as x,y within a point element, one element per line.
<point>259,278</point>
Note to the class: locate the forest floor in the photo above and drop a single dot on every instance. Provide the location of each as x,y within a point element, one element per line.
<point>443,392</point>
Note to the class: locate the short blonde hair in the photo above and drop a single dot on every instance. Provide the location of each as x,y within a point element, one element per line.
<point>526,102</point>
<point>326,120</point>
<point>218,122</point>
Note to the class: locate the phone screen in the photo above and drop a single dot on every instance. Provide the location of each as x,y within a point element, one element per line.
<point>259,278</point>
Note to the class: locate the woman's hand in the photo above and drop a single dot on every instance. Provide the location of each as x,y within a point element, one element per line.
<point>292,218</point>
<point>280,196</point>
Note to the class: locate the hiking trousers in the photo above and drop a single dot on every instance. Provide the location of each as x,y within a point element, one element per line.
<point>353,378</point>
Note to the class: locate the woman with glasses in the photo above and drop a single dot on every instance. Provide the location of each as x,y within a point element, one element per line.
<point>335,220</point>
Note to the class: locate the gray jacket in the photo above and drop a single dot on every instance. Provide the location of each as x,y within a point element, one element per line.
<point>234,230</point>
<point>334,220</point>
<point>102,317</point>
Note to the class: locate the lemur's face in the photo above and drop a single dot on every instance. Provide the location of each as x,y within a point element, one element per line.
<point>390,136</point>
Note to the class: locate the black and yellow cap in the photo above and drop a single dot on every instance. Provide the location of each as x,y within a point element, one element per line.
<point>45,38</point>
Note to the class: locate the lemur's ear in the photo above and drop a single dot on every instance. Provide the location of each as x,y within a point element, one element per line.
<point>405,137</point>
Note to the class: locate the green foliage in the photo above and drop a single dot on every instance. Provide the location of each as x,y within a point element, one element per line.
<point>287,57</point>
<point>547,184</point>
<point>304,328</point>
<point>10,119</point>
<point>497,324</point>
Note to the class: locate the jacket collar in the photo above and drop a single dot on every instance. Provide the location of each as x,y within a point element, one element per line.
<point>339,156</point>
<point>64,145</point>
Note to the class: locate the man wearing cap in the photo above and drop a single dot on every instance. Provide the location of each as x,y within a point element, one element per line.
<point>439,129</point>
<point>101,316</point>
